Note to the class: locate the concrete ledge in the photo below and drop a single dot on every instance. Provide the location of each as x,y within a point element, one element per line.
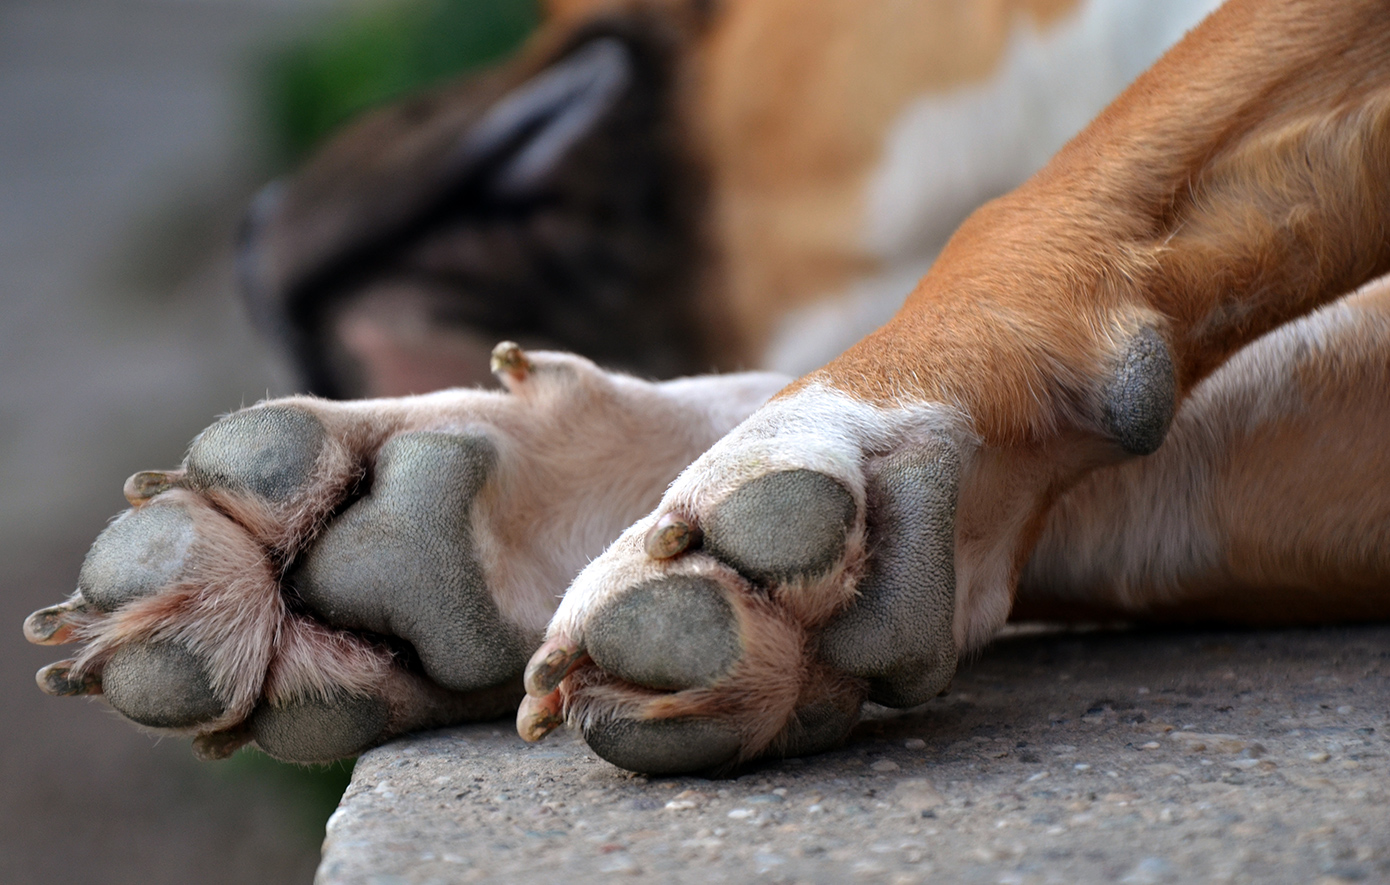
<point>1073,757</point>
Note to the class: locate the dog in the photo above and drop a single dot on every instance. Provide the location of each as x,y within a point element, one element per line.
<point>1148,382</point>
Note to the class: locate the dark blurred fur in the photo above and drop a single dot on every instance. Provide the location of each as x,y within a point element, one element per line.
<point>603,255</point>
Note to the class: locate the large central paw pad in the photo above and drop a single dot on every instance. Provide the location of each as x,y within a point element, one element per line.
<point>754,617</point>
<point>319,576</point>
<point>402,561</point>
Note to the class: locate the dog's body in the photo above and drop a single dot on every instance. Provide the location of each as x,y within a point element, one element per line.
<point>1135,385</point>
<point>753,186</point>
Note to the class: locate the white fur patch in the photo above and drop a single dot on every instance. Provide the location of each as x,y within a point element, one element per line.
<point>948,153</point>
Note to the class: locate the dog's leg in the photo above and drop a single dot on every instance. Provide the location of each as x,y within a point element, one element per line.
<point>319,576</point>
<point>871,522</point>
<point>1268,504</point>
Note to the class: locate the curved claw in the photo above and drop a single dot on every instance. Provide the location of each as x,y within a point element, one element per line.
<point>57,680</point>
<point>53,625</point>
<point>551,663</point>
<point>538,717</point>
<point>220,744</point>
<point>142,486</point>
<point>672,535</point>
<point>510,360</point>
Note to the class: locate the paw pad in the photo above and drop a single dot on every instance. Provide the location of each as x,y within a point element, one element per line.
<point>269,452</point>
<point>319,730</point>
<point>664,746</point>
<point>401,561</point>
<point>670,634</point>
<point>160,685</point>
<point>138,555</point>
<point>782,526</point>
<point>898,632</point>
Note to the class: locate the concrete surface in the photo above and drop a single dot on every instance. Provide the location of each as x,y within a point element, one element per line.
<point>1067,757</point>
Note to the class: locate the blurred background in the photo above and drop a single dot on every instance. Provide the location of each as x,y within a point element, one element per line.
<point>132,134</point>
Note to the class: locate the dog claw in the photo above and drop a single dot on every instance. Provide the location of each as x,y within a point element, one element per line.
<point>146,484</point>
<point>50,626</point>
<point>219,744</point>
<point>539,716</point>
<point>551,663</point>
<point>57,680</point>
<point>672,535</point>
<point>509,359</point>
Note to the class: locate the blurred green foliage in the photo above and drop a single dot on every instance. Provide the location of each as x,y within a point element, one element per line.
<point>380,51</point>
<point>311,792</point>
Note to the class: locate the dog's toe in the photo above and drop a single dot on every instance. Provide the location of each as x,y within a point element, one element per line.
<point>668,633</point>
<point>320,729</point>
<point>269,452</point>
<point>161,685</point>
<point>782,526</point>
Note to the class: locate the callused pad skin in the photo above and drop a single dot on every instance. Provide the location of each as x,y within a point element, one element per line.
<point>269,451</point>
<point>664,746</point>
<point>782,525</point>
<point>319,730</point>
<point>1140,399</point>
<point>161,685</point>
<point>668,633</point>
<point>898,631</point>
<point>141,553</point>
<point>401,561</point>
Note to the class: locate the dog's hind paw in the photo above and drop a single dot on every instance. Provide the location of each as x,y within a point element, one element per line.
<point>320,576</point>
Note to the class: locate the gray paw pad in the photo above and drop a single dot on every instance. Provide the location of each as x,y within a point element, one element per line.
<point>269,452</point>
<point>663,746</point>
<point>160,684</point>
<point>818,727</point>
<point>1139,401</point>
<point>141,553</point>
<point>319,731</point>
<point>671,633</point>
<point>401,561</point>
<point>782,525</point>
<point>898,632</point>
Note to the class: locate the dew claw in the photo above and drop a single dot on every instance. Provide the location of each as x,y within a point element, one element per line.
<point>509,359</point>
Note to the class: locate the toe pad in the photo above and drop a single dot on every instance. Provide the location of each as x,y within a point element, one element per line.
<point>269,452</point>
<point>319,731</point>
<point>670,633</point>
<point>161,685</point>
<point>139,554</point>
<point>782,526</point>
<point>663,746</point>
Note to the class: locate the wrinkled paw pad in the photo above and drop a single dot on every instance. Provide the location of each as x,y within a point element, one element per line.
<point>160,685</point>
<point>270,452</point>
<point>402,561</point>
<point>136,556</point>
<point>898,632</point>
<point>669,634</point>
<point>1140,399</point>
<point>782,526</point>
<point>319,730</point>
<point>664,746</point>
